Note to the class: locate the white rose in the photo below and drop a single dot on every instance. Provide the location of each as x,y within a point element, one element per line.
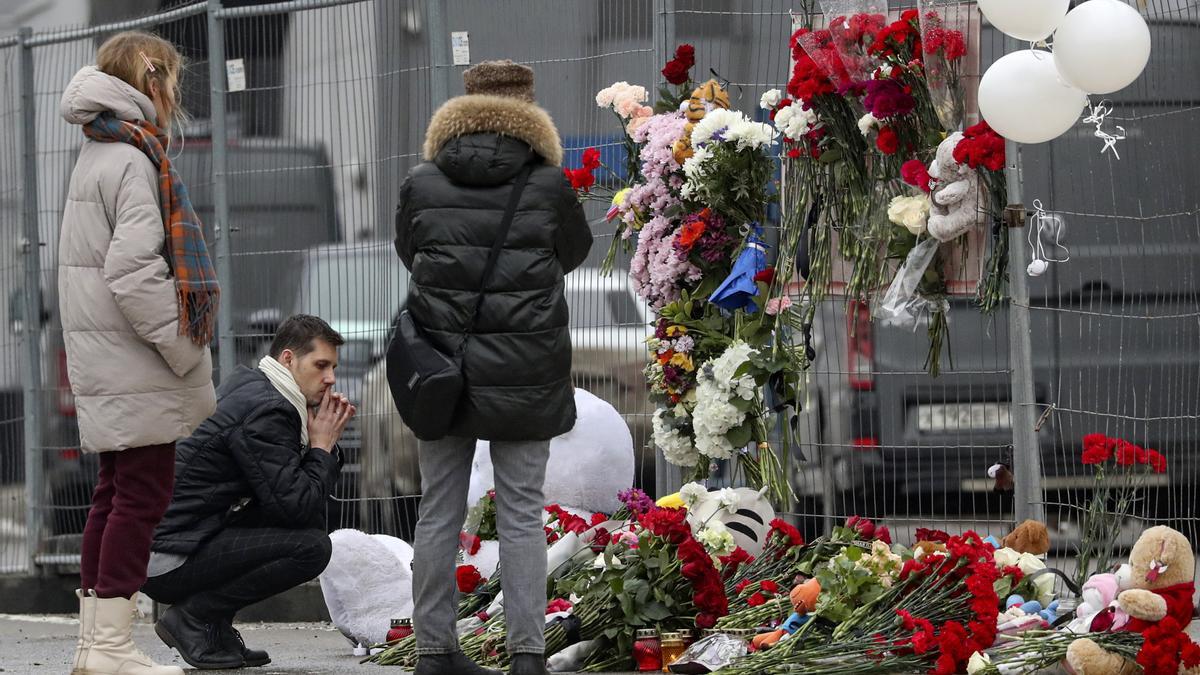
<point>1030,563</point>
<point>867,123</point>
<point>979,662</point>
<point>1006,557</point>
<point>770,99</point>
<point>910,212</point>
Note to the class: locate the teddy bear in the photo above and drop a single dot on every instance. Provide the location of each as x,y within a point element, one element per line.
<point>1162,574</point>
<point>1030,537</point>
<point>704,98</point>
<point>957,197</point>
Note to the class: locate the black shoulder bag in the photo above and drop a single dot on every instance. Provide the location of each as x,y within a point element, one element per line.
<point>427,383</point>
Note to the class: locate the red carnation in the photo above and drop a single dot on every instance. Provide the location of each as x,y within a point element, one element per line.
<point>768,586</point>
<point>1157,461</point>
<point>756,600</point>
<point>468,578</point>
<point>581,179</point>
<point>915,173</point>
<point>887,141</point>
<point>1129,454</point>
<point>741,586</point>
<point>591,159</point>
<point>598,518</point>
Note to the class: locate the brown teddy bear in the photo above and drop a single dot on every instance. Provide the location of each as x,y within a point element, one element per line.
<point>1029,537</point>
<point>1162,584</point>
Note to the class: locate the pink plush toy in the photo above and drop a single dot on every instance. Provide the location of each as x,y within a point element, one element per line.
<point>1099,610</point>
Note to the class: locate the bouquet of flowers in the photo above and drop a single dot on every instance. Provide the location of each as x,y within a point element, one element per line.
<point>691,217</point>
<point>1121,469</point>
<point>867,106</point>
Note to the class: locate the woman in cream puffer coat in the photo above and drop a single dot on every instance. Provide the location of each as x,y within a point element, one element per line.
<point>140,383</point>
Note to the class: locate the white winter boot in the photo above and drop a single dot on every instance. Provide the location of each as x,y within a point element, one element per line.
<point>112,651</point>
<point>87,622</point>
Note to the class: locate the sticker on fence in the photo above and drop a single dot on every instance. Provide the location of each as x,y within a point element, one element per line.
<point>235,75</point>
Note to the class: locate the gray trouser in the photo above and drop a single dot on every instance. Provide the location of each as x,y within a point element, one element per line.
<point>520,469</point>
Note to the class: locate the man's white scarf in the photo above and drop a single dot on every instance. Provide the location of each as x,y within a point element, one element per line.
<point>283,380</point>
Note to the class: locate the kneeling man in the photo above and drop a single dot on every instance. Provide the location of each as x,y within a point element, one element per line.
<point>247,516</point>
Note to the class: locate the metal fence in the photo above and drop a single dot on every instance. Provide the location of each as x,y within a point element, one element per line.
<point>307,114</point>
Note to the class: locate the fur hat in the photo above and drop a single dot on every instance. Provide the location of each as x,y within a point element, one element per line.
<point>500,78</point>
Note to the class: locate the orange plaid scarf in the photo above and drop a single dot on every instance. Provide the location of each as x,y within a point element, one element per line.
<point>185,252</point>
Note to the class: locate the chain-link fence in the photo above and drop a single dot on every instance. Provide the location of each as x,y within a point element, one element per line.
<point>306,115</point>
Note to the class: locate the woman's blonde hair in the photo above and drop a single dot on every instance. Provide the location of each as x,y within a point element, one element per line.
<point>139,58</point>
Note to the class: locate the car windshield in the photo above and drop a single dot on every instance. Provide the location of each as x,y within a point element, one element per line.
<point>603,308</point>
<point>353,285</point>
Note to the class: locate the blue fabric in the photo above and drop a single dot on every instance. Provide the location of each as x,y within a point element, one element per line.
<point>739,289</point>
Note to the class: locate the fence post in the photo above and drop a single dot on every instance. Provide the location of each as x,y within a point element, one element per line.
<point>1027,457</point>
<point>667,477</point>
<point>439,52</point>
<point>31,334</point>
<point>226,348</point>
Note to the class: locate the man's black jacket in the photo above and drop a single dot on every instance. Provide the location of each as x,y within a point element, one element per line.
<point>245,465</point>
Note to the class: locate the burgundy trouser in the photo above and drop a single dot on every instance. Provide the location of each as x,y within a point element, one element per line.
<point>130,498</point>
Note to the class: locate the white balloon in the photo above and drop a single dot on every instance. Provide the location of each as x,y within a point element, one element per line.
<point>1029,20</point>
<point>1023,99</point>
<point>1102,46</point>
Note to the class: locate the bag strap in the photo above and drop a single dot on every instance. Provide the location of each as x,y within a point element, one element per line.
<point>510,212</point>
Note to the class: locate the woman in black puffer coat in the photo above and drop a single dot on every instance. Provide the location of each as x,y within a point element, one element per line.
<point>517,363</point>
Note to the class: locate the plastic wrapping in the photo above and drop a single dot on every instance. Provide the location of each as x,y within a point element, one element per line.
<point>945,32</point>
<point>853,26</point>
<point>900,305</point>
<point>710,654</point>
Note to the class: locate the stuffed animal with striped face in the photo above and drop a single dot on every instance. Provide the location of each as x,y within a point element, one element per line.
<point>745,513</point>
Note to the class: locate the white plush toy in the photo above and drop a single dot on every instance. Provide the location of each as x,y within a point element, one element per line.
<point>369,578</point>
<point>744,512</point>
<point>588,465</point>
<point>367,583</point>
<point>957,197</point>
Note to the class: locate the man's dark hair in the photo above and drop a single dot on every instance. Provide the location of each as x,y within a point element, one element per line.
<point>298,332</point>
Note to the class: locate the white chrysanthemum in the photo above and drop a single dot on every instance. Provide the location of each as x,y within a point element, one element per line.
<point>693,167</point>
<point>770,99</point>
<point>692,493</point>
<point>867,123</point>
<point>715,122</point>
<point>749,135</point>
<point>794,121</point>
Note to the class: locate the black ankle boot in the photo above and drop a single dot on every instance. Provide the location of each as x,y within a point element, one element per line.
<point>232,639</point>
<point>198,642</point>
<point>455,663</point>
<point>528,664</point>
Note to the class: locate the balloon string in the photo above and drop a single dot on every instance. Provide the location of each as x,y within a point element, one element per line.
<point>1099,112</point>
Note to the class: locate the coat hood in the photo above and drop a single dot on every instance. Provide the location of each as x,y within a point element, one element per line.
<point>508,117</point>
<point>93,92</point>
